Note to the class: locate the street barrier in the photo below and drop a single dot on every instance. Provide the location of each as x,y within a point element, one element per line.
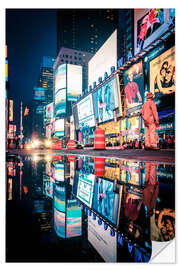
<point>99,139</point>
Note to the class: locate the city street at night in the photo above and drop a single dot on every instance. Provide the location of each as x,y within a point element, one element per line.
<point>90,135</point>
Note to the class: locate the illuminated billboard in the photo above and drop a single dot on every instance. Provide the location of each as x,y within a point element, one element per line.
<point>86,112</point>
<point>149,24</point>
<point>6,71</point>
<point>39,93</point>
<point>48,186</point>
<point>106,99</point>
<point>59,171</point>
<point>85,188</point>
<point>162,78</point>
<point>49,112</point>
<point>134,86</point>
<point>73,219</point>
<point>74,82</point>
<point>48,131</point>
<point>59,128</point>
<point>60,77</point>
<point>103,60</point>
<point>40,109</point>
<point>60,198</point>
<point>10,110</point>
<point>102,241</point>
<point>105,201</point>
<point>59,223</point>
<point>60,102</point>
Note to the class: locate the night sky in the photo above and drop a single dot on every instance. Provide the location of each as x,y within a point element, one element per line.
<point>30,34</point>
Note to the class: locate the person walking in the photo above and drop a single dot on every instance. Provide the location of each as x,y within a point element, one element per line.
<point>151,122</point>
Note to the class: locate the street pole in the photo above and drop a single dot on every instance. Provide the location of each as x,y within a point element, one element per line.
<point>21,128</point>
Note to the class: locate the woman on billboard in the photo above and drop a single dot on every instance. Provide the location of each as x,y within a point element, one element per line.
<point>165,79</point>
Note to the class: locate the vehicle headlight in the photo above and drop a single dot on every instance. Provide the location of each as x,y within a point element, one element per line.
<point>47,143</point>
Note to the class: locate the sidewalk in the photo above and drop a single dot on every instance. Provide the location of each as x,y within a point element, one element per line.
<point>160,156</point>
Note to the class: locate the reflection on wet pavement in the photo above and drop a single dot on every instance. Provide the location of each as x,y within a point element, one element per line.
<point>84,209</point>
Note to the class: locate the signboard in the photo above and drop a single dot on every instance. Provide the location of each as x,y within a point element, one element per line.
<point>86,112</point>
<point>110,127</point>
<point>103,60</point>
<point>48,131</point>
<point>105,201</point>
<point>60,102</point>
<point>60,77</point>
<point>48,186</point>
<point>73,219</point>
<point>74,82</point>
<point>134,86</point>
<point>10,110</point>
<point>60,198</point>
<point>85,188</point>
<point>149,24</point>
<point>40,109</point>
<point>59,223</point>
<point>49,112</point>
<point>102,241</point>
<point>106,99</point>
<point>39,93</point>
<point>72,128</point>
<point>6,71</point>
<point>59,171</point>
<point>162,78</point>
<point>59,128</point>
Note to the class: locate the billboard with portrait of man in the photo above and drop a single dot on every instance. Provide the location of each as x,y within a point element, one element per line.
<point>134,87</point>
<point>162,78</point>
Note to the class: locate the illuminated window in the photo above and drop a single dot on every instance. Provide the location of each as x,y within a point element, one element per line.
<point>92,25</point>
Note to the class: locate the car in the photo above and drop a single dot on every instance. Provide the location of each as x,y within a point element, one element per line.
<point>41,143</point>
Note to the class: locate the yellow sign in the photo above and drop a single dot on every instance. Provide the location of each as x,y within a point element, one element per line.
<point>111,173</point>
<point>110,128</point>
<point>10,110</point>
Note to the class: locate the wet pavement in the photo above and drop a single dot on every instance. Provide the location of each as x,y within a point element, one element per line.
<point>76,208</point>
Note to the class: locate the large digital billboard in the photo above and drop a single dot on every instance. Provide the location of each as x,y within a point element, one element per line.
<point>60,198</point>
<point>106,99</point>
<point>59,171</point>
<point>60,102</point>
<point>74,82</point>
<point>59,128</point>
<point>86,112</point>
<point>105,201</point>
<point>59,223</point>
<point>134,86</point>
<point>49,112</point>
<point>102,241</point>
<point>85,188</point>
<point>103,60</point>
<point>162,78</point>
<point>60,77</point>
<point>73,219</point>
<point>39,93</point>
<point>149,24</point>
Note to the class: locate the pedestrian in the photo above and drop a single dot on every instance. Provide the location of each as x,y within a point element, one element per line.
<point>151,122</point>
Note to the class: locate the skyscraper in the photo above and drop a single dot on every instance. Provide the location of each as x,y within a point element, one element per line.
<point>43,93</point>
<point>85,29</point>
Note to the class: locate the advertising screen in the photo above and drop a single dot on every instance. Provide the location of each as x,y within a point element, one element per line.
<point>103,60</point>
<point>60,77</point>
<point>49,112</point>
<point>74,82</point>
<point>86,112</point>
<point>40,109</point>
<point>102,241</point>
<point>10,110</point>
<point>59,198</point>
<point>85,188</point>
<point>59,171</point>
<point>75,115</point>
<point>149,25</point>
<point>48,186</point>
<point>59,223</point>
<point>48,131</point>
<point>134,86</point>
<point>106,99</point>
<point>132,125</point>
<point>59,128</point>
<point>130,172</point>
<point>105,201</point>
<point>162,78</point>
<point>39,93</point>
<point>6,71</point>
<point>73,219</point>
<point>60,102</point>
